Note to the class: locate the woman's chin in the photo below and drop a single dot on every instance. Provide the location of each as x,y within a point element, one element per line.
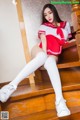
<point>51,22</point>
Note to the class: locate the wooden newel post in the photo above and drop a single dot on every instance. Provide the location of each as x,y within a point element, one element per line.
<point>76,22</point>
<point>24,38</point>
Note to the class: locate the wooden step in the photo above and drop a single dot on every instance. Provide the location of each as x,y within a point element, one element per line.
<point>34,105</point>
<point>51,115</point>
<point>28,101</point>
<point>41,97</point>
<point>25,91</point>
<point>69,65</point>
<point>41,88</point>
<point>69,76</point>
<point>66,65</point>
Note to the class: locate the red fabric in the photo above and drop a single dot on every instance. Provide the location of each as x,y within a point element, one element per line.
<point>60,32</point>
<point>52,45</point>
<point>40,32</point>
<point>62,24</point>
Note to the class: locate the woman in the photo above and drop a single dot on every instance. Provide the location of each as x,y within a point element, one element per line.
<point>53,34</point>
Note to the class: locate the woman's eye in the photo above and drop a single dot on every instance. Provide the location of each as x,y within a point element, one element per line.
<point>50,13</point>
<point>45,15</point>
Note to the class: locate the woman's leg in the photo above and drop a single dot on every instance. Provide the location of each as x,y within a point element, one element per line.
<point>51,67</point>
<point>39,58</point>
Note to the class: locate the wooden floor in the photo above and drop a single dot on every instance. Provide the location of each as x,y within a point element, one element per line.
<point>39,102</point>
<point>51,115</point>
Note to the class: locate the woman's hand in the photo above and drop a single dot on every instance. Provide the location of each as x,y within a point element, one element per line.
<point>70,43</point>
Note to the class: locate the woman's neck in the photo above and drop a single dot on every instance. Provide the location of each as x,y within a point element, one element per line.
<point>56,24</point>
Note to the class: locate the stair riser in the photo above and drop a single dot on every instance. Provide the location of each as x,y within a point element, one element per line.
<point>38,104</point>
<point>68,75</point>
<point>0,106</point>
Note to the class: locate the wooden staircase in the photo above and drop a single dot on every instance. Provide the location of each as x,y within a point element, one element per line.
<point>37,101</point>
<point>48,115</point>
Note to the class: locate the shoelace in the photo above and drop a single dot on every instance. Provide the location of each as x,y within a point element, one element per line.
<point>61,100</point>
<point>11,87</point>
<point>8,88</point>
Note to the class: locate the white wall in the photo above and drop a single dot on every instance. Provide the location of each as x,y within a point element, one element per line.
<point>12,58</point>
<point>32,19</point>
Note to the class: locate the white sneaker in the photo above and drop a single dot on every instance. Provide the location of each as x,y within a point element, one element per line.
<point>62,109</point>
<point>6,91</point>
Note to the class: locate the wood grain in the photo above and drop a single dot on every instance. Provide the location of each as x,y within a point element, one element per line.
<point>51,115</point>
<point>24,38</point>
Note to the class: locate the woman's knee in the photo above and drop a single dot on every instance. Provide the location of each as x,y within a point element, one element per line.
<point>51,58</point>
<point>49,61</point>
<point>54,57</point>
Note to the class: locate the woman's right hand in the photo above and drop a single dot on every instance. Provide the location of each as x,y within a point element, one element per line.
<point>44,43</point>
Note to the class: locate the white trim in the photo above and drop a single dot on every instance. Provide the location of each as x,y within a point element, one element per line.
<point>55,52</point>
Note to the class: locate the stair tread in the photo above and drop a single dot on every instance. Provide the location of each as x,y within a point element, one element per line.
<point>51,115</point>
<point>69,64</point>
<point>66,65</point>
<point>26,91</point>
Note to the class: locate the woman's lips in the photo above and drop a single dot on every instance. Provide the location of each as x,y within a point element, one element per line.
<point>50,19</point>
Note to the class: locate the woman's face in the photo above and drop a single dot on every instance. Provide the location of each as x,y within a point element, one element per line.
<point>48,14</point>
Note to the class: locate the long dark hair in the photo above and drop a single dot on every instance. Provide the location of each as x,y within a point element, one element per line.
<point>55,13</point>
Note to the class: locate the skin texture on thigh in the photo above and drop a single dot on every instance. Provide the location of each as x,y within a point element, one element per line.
<point>35,50</point>
<point>55,57</point>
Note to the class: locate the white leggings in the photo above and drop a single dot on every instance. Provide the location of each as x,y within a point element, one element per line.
<point>33,65</point>
<point>52,70</point>
<point>51,67</point>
